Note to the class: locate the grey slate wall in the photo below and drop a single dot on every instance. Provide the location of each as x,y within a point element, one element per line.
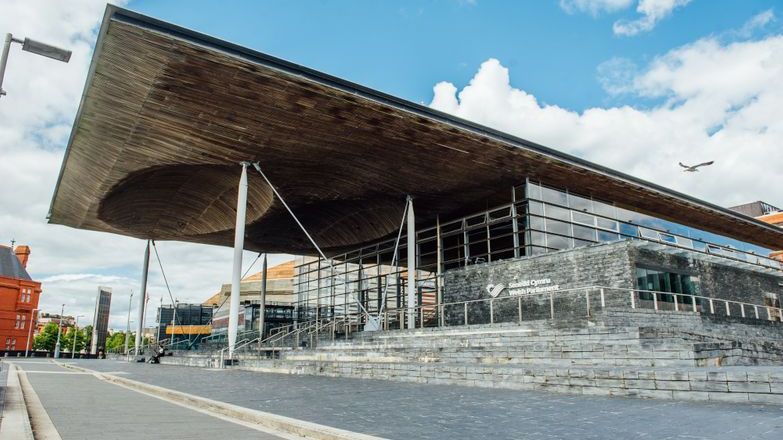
<point>713,279</point>
<point>603,265</point>
<point>609,264</point>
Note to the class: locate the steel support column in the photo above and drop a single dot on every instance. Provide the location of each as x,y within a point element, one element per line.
<point>514,221</point>
<point>236,273</point>
<point>411,231</point>
<point>439,270</point>
<point>142,299</point>
<point>262,306</point>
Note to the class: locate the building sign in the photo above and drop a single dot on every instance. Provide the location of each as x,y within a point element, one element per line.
<point>524,287</point>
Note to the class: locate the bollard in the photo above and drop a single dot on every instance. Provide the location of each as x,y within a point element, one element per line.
<point>655,301</point>
<point>519,308</point>
<point>603,302</point>
<point>587,299</point>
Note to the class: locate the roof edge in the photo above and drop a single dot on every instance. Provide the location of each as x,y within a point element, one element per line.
<point>232,49</point>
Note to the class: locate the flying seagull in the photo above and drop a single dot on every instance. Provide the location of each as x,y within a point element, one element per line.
<point>693,168</point>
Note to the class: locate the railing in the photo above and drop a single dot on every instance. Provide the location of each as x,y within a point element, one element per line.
<point>570,303</point>
<point>220,337</point>
<point>171,346</point>
<point>224,349</point>
<point>575,303</point>
<point>291,336</point>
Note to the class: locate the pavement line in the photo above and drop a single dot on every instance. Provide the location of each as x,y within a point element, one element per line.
<point>275,422</point>
<point>39,418</point>
<point>55,372</point>
<point>16,421</point>
<point>254,426</point>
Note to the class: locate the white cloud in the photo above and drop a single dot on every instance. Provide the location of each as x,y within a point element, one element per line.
<point>594,7</point>
<point>35,121</point>
<point>759,21</point>
<point>719,101</point>
<point>652,12</point>
<point>617,75</point>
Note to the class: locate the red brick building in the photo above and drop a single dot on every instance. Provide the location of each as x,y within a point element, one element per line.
<point>19,295</point>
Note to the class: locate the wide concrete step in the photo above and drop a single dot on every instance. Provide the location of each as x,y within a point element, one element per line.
<point>564,359</point>
<point>733,384</point>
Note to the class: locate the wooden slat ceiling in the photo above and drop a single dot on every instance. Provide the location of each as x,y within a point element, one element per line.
<point>165,121</point>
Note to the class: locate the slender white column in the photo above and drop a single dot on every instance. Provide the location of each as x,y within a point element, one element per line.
<point>411,230</point>
<point>142,299</point>
<point>262,308</point>
<point>127,325</point>
<point>236,275</point>
<point>439,266</point>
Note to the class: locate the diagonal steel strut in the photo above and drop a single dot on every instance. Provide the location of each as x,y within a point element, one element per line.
<point>320,252</point>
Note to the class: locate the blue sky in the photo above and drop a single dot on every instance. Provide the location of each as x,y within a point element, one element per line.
<point>405,47</point>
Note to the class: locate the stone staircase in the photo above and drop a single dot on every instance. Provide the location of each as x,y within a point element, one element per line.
<point>616,352</point>
<point>507,345</point>
<point>608,340</point>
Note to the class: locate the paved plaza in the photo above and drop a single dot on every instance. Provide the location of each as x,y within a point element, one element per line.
<point>82,406</point>
<point>412,411</point>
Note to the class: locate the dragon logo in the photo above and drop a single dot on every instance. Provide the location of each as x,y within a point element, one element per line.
<point>495,289</point>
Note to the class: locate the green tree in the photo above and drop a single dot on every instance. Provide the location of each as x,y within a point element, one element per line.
<point>47,339</point>
<point>88,335</point>
<point>116,341</point>
<point>66,342</point>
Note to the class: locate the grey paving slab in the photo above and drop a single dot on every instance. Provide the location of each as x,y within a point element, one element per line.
<point>84,407</point>
<point>3,380</point>
<point>418,411</point>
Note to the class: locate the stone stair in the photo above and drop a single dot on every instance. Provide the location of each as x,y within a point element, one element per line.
<point>519,345</point>
<point>616,352</point>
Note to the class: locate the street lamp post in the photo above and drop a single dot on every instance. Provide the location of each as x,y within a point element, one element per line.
<point>75,329</point>
<point>127,327</point>
<point>29,332</point>
<point>157,332</point>
<point>173,322</point>
<point>31,46</point>
<point>59,331</point>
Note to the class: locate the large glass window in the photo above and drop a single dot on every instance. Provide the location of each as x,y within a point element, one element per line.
<point>656,280</point>
<point>550,209</point>
<point>554,196</point>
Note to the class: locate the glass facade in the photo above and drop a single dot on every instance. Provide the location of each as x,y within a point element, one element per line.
<point>187,314</point>
<point>538,219</point>
<point>665,281</point>
<point>559,219</point>
<point>100,329</point>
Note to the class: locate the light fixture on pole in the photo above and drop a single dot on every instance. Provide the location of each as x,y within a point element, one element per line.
<point>127,326</point>
<point>59,331</point>
<point>173,321</point>
<point>31,46</point>
<point>75,330</point>
<point>30,331</point>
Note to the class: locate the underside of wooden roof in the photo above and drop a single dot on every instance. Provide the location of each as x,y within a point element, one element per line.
<point>167,116</point>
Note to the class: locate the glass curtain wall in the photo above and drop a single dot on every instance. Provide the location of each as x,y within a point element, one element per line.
<point>536,220</point>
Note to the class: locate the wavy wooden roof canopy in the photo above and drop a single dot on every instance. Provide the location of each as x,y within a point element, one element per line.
<point>167,115</point>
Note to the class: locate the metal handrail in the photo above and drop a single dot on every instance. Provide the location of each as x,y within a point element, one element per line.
<point>223,350</point>
<point>595,298</point>
<point>422,311</point>
<point>169,345</point>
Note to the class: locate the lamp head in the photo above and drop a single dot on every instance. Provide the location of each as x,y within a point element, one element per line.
<point>46,50</point>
